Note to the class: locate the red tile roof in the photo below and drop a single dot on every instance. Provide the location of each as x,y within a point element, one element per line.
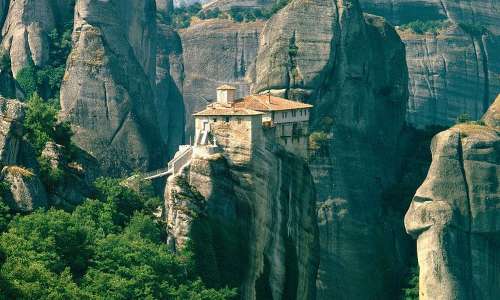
<point>223,111</point>
<point>269,103</point>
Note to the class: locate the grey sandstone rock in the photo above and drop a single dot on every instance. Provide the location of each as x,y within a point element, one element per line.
<point>352,68</point>
<point>25,33</point>
<point>108,89</point>
<point>216,52</point>
<point>453,72</point>
<point>455,214</point>
<point>169,87</point>
<point>26,190</point>
<point>11,118</point>
<point>265,202</point>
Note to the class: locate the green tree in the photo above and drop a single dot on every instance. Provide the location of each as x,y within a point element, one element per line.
<point>27,79</point>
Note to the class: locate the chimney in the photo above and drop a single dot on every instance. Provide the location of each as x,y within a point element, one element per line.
<point>226,94</point>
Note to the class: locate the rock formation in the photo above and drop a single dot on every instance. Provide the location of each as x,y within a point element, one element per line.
<point>455,214</point>
<point>260,217</point>
<point>352,68</point>
<point>26,192</point>
<point>216,52</point>
<point>108,90</point>
<point>169,87</point>
<point>11,130</point>
<point>25,33</point>
<point>455,71</point>
<point>225,5</point>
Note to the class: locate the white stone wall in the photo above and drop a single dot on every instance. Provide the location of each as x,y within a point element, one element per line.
<point>288,116</point>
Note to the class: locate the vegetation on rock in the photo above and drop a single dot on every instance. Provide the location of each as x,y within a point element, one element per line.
<point>423,27</point>
<point>182,16</point>
<point>46,80</point>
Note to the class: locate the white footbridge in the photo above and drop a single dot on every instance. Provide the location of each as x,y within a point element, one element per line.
<point>182,158</point>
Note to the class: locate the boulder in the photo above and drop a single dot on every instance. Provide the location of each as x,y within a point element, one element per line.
<point>26,191</point>
<point>11,130</point>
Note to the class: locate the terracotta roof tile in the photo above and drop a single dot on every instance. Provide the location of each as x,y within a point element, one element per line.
<point>269,103</point>
<point>221,111</point>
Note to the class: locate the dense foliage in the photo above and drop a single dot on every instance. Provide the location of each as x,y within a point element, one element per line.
<point>107,247</point>
<point>46,81</point>
<point>410,290</point>
<point>182,16</point>
<point>422,27</point>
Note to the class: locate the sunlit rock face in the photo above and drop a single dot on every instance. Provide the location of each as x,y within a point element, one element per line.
<point>352,68</point>
<point>216,52</point>
<point>108,91</point>
<point>455,214</point>
<point>26,28</point>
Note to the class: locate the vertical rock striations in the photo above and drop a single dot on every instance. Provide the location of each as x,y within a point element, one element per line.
<point>216,52</point>
<point>108,89</point>
<point>352,68</point>
<point>169,87</point>
<point>25,33</point>
<point>250,218</point>
<point>455,214</point>
<point>455,70</point>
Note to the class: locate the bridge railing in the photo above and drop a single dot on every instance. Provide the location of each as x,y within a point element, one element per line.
<point>181,160</point>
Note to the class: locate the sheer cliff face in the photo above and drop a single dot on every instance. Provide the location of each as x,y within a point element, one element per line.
<point>259,212</point>
<point>108,88</point>
<point>169,87</point>
<point>25,33</point>
<point>455,72</point>
<point>352,68</point>
<point>216,52</point>
<point>455,214</point>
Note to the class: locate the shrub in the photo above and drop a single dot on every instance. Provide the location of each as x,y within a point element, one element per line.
<point>463,118</point>
<point>422,27</point>
<point>27,79</point>
<point>318,142</point>
<point>4,60</point>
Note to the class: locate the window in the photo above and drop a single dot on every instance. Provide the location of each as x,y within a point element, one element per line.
<point>239,120</point>
<point>294,113</point>
<point>282,129</point>
<point>286,141</point>
<point>215,119</point>
<point>227,119</point>
<point>301,112</point>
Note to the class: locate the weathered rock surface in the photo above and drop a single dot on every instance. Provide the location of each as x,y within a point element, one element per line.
<point>164,6</point>
<point>225,5</point>
<point>108,90</point>
<point>25,33</point>
<point>216,52</point>
<point>252,209</point>
<point>456,71</point>
<point>455,214</point>
<point>11,130</point>
<point>169,87</point>
<point>26,190</point>
<point>79,176</point>
<point>352,68</point>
